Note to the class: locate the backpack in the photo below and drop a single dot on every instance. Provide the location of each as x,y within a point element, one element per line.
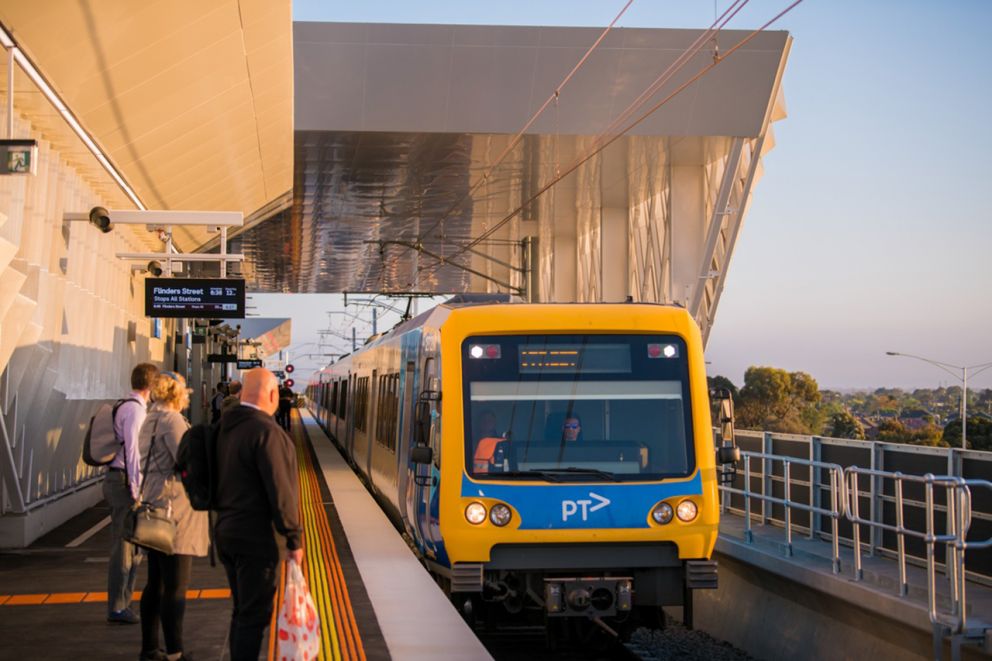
<point>100,445</point>
<point>196,463</point>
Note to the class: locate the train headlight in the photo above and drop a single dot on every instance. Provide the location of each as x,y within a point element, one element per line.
<point>686,511</point>
<point>475,513</point>
<point>500,514</point>
<point>662,513</point>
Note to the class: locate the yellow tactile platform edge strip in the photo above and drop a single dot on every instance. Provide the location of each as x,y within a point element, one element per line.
<point>339,637</point>
<point>50,598</point>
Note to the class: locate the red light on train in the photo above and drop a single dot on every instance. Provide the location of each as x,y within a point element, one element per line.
<point>490,351</point>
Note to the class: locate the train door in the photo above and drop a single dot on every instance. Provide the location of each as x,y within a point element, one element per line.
<point>342,406</point>
<point>428,476</point>
<point>349,427</point>
<point>408,394</point>
<point>372,425</point>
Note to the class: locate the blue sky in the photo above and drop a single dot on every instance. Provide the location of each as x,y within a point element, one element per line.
<point>870,230</point>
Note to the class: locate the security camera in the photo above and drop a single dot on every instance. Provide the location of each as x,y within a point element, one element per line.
<point>101,218</point>
<point>154,268</point>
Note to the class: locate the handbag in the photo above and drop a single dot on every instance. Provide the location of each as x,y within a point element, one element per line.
<point>149,526</point>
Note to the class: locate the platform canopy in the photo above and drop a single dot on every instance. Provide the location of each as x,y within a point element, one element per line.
<point>403,160</point>
<point>191,101</point>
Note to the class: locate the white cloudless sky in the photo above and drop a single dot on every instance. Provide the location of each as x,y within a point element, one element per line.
<point>871,229</point>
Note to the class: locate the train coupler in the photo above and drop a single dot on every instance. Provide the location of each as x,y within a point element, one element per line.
<point>595,596</point>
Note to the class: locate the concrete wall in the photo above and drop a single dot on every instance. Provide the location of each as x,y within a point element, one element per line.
<point>773,617</point>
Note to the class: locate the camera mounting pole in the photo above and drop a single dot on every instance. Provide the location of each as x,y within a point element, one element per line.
<point>163,221</point>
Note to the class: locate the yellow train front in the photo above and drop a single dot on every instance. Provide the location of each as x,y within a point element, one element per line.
<point>554,458</point>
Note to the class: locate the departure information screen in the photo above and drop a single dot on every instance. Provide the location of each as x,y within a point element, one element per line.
<point>574,358</point>
<point>195,298</point>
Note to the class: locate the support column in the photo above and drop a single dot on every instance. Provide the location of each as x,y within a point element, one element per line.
<point>615,258</point>
<point>688,230</point>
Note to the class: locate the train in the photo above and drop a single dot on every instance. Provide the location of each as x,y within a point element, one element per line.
<point>547,458</point>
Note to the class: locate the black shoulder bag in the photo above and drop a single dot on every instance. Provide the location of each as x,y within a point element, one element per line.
<point>146,525</point>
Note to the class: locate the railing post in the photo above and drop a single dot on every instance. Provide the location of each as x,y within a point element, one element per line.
<point>951,550</point>
<point>815,497</point>
<point>836,507</point>
<point>856,527</point>
<point>901,538</point>
<point>964,512</point>
<point>787,475</point>
<point>877,464</point>
<point>766,478</point>
<point>748,535</point>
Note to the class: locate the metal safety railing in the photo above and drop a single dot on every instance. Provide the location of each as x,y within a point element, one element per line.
<point>814,508</point>
<point>844,502</point>
<point>957,496</point>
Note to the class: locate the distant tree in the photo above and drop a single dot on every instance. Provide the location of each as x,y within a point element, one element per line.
<point>843,424</point>
<point>893,431</point>
<point>776,400</point>
<point>979,433</point>
<point>719,381</point>
<point>983,401</point>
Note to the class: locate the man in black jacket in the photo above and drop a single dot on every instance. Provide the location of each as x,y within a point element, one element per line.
<point>257,502</point>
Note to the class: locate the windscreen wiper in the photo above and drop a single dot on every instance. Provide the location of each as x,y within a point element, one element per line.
<point>527,473</point>
<point>606,475</point>
<point>554,474</point>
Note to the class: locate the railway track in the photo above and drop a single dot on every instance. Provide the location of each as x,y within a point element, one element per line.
<point>674,642</point>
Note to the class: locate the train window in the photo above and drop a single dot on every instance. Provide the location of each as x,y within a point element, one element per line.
<point>387,411</point>
<point>343,405</point>
<point>629,418</point>
<point>361,403</point>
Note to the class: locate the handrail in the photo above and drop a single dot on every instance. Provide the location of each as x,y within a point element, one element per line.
<point>837,497</point>
<point>845,502</point>
<point>958,504</point>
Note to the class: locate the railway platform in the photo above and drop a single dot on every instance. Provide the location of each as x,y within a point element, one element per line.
<point>374,599</point>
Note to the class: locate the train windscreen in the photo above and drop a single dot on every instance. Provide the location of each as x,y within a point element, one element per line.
<point>576,408</point>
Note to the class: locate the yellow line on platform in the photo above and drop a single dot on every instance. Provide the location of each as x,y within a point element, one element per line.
<point>340,640</point>
<point>95,597</point>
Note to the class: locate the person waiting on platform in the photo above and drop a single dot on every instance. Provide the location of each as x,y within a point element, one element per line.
<point>258,495</point>
<point>233,398</point>
<point>164,596</point>
<point>120,489</point>
<point>216,401</point>
<point>285,406</point>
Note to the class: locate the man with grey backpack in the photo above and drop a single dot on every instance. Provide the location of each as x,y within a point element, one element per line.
<point>120,490</point>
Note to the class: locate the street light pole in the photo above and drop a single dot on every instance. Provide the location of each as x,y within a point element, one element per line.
<point>947,367</point>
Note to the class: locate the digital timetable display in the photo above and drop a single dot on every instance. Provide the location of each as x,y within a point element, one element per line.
<point>574,358</point>
<point>195,298</point>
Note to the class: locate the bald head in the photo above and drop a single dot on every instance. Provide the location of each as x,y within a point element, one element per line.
<point>261,388</point>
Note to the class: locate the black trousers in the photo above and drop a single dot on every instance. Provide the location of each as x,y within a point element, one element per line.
<point>253,587</point>
<point>164,600</point>
<point>283,415</point>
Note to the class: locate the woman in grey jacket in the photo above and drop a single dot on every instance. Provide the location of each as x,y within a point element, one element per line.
<point>164,597</point>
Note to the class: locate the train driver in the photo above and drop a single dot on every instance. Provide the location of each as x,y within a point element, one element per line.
<point>490,450</point>
<point>571,428</point>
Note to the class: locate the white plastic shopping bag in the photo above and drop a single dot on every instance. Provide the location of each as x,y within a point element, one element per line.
<point>298,628</point>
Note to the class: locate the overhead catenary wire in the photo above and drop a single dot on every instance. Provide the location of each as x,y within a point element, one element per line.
<point>520,134</point>
<point>597,148</point>
<point>718,23</point>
